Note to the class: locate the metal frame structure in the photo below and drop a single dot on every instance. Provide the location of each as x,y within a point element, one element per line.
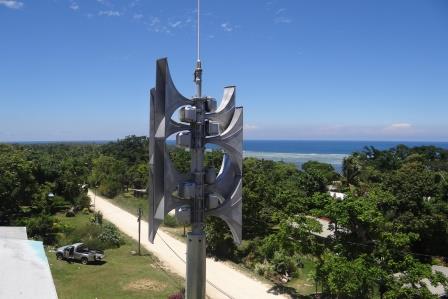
<point>200,193</point>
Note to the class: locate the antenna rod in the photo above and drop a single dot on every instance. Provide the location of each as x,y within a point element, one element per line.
<point>199,31</point>
<point>198,70</point>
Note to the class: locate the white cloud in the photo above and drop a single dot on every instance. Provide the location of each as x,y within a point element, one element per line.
<point>227,27</point>
<point>282,20</point>
<point>13,4</point>
<point>109,13</point>
<point>134,3</point>
<point>155,21</point>
<point>167,25</point>
<point>281,10</point>
<point>157,26</point>
<point>137,16</point>
<point>175,24</point>
<point>400,126</point>
<point>74,6</point>
<point>250,127</point>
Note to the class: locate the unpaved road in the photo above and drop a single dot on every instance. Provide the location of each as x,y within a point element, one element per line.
<point>223,282</point>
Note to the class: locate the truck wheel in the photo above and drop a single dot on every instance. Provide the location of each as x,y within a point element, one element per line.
<point>84,261</point>
<point>59,256</point>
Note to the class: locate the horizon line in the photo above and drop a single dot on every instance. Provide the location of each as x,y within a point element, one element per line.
<point>249,139</point>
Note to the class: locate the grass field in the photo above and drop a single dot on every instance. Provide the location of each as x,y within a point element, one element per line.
<point>128,202</point>
<point>304,284</point>
<point>123,275</point>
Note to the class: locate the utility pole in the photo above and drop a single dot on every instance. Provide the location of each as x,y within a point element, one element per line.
<point>196,269</point>
<point>202,192</point>
<point>139,220</point>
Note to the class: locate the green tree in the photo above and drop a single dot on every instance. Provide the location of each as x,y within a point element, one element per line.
<point>17,183</point>
<point>109,173</point>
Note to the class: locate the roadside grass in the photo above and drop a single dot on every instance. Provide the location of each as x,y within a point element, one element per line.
<point>123,275</point>
<point>128,202</point>
<point>303,285</point>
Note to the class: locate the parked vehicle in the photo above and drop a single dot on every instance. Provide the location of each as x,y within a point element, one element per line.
<point>79,252</point>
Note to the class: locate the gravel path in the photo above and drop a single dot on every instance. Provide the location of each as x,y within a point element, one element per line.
<point>223,281</point>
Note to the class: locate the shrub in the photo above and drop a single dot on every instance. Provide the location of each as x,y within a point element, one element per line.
<point>82,201</point>
<point>170,221</point>
<point>110,188</point>
<point>264,269</point>
<point>42,228</point>
<point>285,264</point>
<point>70,212</point>
<point>85,233</point>
<point>97,218</point>
<point>95,236</point>
<point>110,236</point>
<point>219,239</point>
<point>57,204</point>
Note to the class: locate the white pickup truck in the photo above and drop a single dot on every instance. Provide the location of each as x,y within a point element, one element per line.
<point>79,252</point>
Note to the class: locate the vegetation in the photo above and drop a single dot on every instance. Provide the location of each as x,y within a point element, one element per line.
<point>389,229</point>
<point>37,181</point>
<point>122,275</point>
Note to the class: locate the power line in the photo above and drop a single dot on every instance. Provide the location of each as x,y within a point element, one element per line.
<point>208,281</point>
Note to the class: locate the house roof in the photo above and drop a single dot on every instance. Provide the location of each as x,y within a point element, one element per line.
<point>25,270</point>
<point>337,195</point>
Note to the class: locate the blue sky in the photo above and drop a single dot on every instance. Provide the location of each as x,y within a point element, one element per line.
<point>321,69</point>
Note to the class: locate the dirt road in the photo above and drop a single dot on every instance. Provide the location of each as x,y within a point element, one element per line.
<point>223,282</point>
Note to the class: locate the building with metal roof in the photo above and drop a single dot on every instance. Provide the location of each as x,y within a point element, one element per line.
<point>25,270</point>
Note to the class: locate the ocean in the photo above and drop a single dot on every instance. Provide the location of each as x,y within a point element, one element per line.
<point>326,151</point>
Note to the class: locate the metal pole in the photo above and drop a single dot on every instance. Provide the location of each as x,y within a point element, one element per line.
<point>139,230</point>
<point>196,270</point>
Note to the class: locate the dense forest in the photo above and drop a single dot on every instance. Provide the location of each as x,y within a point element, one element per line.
<point>387,231</point>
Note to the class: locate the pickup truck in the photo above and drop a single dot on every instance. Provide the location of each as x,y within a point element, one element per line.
<point>79,252</point>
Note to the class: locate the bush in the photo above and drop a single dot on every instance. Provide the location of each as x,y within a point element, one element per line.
<point>95,236</point>
<point>219,239</point>
<point>264,269</point>
<point>57,204</point>
<point>285,264</point>
<point>110,188</point>
<point>84,233</point>
<point>82,201</point>
<point>42,228</point>
<point>70,212</point>
<point>170,221</point>
<point>110,236</point>
<point>97,218</point>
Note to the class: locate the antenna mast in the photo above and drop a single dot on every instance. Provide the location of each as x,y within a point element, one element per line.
<point>198,70</point>
<point>199,193</point>
<point>196,267</point>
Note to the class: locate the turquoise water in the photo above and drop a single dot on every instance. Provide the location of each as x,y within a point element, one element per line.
<point>326,151</point>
